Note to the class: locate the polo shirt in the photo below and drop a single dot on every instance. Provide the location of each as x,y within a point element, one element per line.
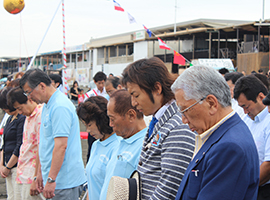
<point>260,129</point>
<point>124,160</point>
<point>59,119</point>
<point>101,154</point>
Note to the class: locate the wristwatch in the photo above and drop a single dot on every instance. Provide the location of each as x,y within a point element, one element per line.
<point>50,180</point>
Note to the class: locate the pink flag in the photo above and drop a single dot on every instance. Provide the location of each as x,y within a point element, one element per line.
<point>117,6</point>
<point>163,45</point>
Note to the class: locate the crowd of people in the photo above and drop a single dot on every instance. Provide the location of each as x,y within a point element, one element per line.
<point>208,137</point>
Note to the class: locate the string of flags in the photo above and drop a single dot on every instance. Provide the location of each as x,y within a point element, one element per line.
<point>177,59</point>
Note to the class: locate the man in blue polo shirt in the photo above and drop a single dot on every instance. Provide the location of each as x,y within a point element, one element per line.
<point>250,92</point>
<point>60,146</point>
<point>128,123</point>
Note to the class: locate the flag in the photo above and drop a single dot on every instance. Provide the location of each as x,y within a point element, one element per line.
<point>117,6</point>
<point>178,58</point>
<point>131,19</point>
<point>163,45</point>
<point>148,31</point>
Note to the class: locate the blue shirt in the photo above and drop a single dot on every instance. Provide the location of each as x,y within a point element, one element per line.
<point>260,130</point>
<point>124,160</point>
<point>101,153</point>
<point>59,119</point>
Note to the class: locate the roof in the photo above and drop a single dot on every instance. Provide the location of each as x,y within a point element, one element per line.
<point>183,28</point>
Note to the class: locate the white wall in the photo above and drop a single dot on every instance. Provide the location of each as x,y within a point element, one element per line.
<point>140,50</point>
<point>116,69</point>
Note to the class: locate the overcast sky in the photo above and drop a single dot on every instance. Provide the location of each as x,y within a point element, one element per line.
<point>87,19</point>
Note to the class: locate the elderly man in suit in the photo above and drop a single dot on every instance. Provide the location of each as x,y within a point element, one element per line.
<point>225,163</point>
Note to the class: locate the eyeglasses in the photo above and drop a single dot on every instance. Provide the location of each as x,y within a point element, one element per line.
<point>27,94</point>
<point>185,110</point>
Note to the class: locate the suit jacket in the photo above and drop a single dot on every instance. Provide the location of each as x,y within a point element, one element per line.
<point>226,166</point>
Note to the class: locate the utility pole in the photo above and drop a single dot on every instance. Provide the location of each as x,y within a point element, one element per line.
<point>263,10</point>
<point>175,16</point>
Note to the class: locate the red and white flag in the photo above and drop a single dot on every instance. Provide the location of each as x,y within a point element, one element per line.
<point>117,6</point>
<point>163,45</point>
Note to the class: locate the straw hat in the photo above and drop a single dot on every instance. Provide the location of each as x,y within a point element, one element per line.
<point>125,188</point>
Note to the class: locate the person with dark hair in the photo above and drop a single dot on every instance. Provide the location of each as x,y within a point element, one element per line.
<point>128,123</point>
<point>99,79</point>
<point>231,78</point>
<point>168,144</point>
<point>260,71</point>
<point>225,163</point>
<point>250,92</point>
<point>112,84</point>
<point>58,83</point>
<point>223,71</point>
<point>93,113</point>
<point>263,79</point>
<point>62,168</point>
<point>27,162</point>
<point>56,80</point>
<point>74,92</point>
<point>111,75</point>
<point>10,151</point>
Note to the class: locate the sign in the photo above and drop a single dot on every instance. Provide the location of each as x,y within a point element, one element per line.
<point>82,76</point>
<point>139,35</point>
<point>215,63</point>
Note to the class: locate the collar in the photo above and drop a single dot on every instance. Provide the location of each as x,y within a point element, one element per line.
<point>52,98</point>
<point>108,140</point>
<point>208,132</point>
<point>261,115</point>
<point>136,136</point>
<point>98,91</point>
<point>36,110</point>
<point>161,111</point>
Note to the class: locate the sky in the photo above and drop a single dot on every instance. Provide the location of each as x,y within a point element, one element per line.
<point>21,34</point>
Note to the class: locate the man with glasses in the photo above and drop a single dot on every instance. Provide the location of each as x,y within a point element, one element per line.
<point>250,92</point>
<point>60,146</point>
<point>225,162</point>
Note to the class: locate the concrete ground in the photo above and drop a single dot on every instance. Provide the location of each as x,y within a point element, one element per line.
<point>3,193</point>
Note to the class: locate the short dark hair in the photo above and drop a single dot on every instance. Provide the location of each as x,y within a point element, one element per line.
<point>56,78</point>
<point>95,109</point>
<point>250,86</point>
<point>3,99</point>
<point>100,76</point>
<point>33,77</point>
<point>146,73</point>
<point>115,81</point>
<point>223,70</point>
<point>16,95</point>
<point>263,79</point>
<point>122,103</point>
<point>233,76</point>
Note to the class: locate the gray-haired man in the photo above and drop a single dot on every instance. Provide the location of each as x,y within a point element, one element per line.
<point>225,163</point>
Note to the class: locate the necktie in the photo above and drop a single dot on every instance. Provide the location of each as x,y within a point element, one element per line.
<point>151,126</point>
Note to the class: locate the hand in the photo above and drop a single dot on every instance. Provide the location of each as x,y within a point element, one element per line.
<point>39,183</point>
<point>1,169</point>
<point>49,189</point>
<point>5,172</point>
<point>33,189</point>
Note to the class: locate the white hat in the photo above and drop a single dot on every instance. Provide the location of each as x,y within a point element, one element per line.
<point>125,188</point>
